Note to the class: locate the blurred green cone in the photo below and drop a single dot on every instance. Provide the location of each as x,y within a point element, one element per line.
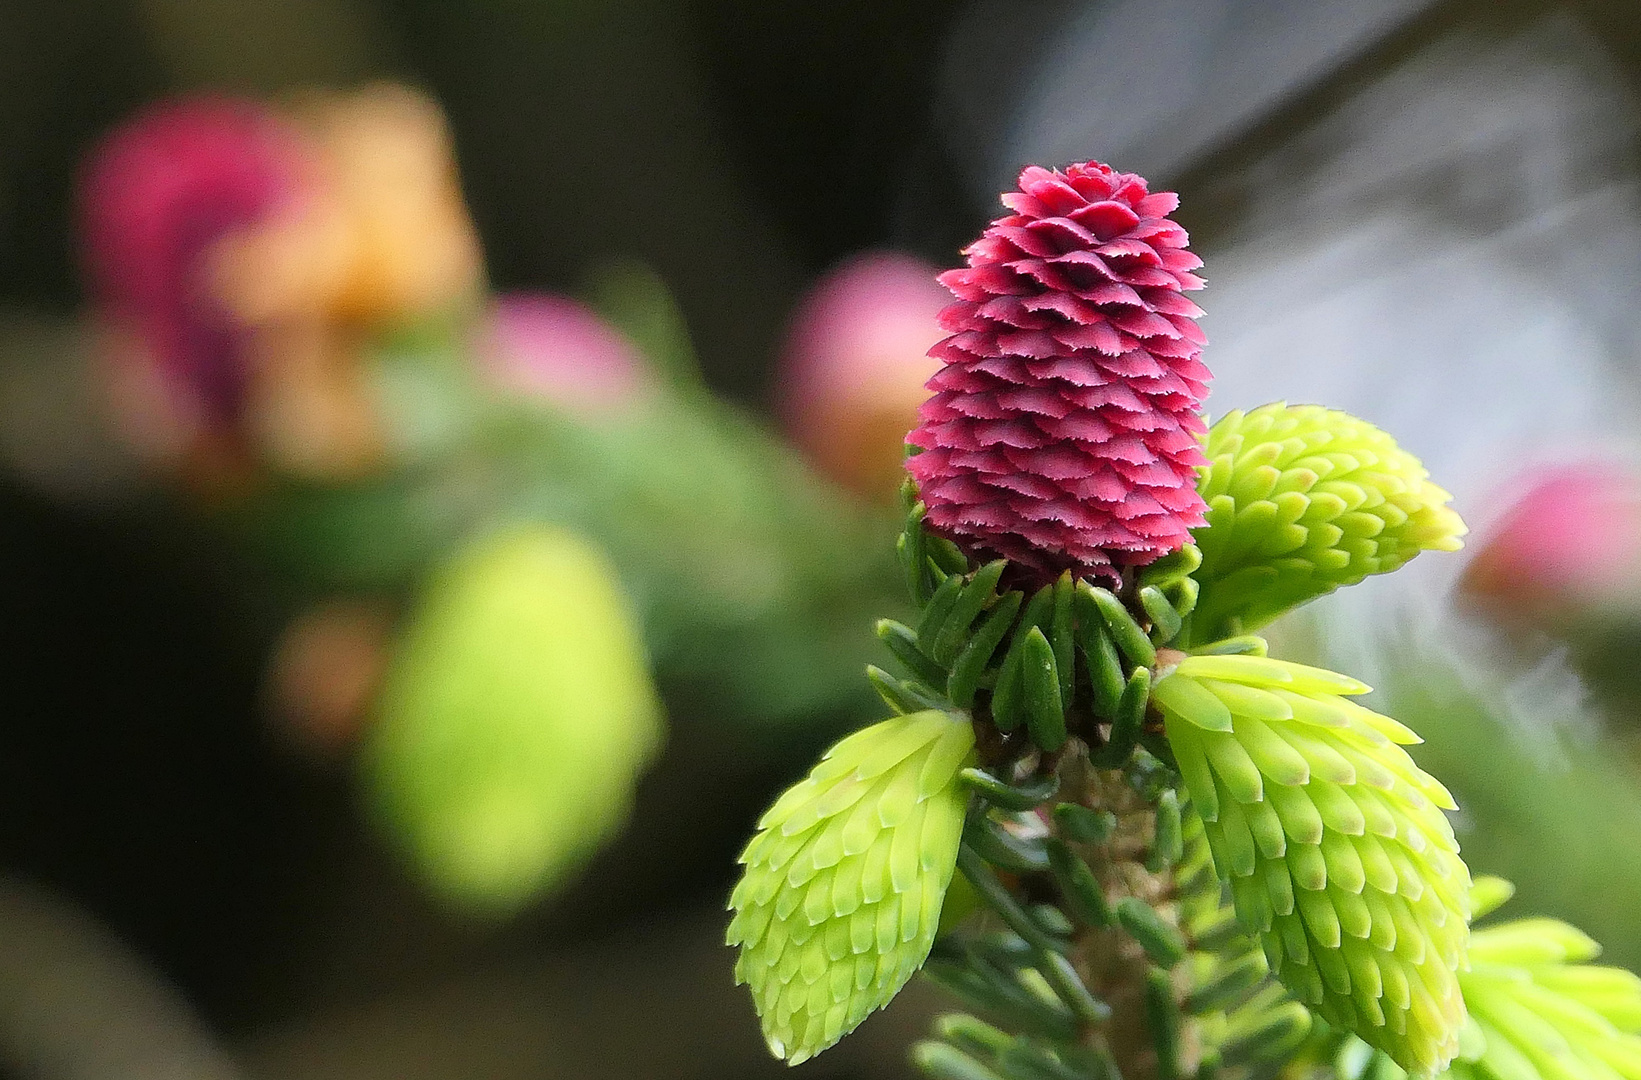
<point>1334,845</point>
<point>517,717</point>
<point>845,880</point>
<point>1302,500</point>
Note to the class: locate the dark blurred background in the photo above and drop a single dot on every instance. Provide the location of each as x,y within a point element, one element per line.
<point>178,878</point>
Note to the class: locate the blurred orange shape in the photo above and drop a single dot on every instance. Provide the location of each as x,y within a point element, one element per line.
<point>311,410</point>
<point>412,247</point>
<point>385,239</point>
<point>325,673</point>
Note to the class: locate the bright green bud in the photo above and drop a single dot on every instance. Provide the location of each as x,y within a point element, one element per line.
<point>1302,500</point>
<point>516,718</point>
<point>845,880</point>
<point>1541,1012</point>
<point>1333,842</point>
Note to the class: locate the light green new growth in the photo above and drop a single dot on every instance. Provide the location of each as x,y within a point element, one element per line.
<point>516,718</point>
<point>844,881</point>
<point>1302,500</point>
<point>1333,842</point>
<point>1540,1011</point>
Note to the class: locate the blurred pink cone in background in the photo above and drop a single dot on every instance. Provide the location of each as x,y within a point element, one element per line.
<point>245,259</point>
<point>554,349</point>
<point>155,199</point>
<point>852,372</point>
<point>1568,551</point>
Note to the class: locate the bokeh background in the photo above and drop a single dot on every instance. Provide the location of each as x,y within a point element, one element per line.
<point>557,490</point>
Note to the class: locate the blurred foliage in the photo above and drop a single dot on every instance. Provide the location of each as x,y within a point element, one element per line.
<point>1553,813</point>
<point>754,580</point>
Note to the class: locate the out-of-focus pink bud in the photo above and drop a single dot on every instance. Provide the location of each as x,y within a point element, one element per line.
<point>243,259</point>
<point>1568,550</point>
<point>157,195</point>
<point>557,350</point>
<point>855,362</point>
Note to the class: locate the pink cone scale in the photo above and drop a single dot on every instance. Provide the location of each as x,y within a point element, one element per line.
<point>1063,430</point>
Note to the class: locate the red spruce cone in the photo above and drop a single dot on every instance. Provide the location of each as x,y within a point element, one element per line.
<point>1062,433</point>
